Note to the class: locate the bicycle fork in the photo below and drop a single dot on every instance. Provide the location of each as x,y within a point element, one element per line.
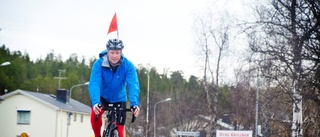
<point>112,127</point>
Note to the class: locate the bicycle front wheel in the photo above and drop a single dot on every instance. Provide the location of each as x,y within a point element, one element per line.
<point>115,133</point>
<point>104,134</point>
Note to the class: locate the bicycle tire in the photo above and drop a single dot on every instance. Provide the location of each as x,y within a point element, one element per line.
<point>115,133</point>
<point>104,134</point>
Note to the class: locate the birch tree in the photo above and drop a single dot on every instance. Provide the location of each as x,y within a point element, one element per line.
<point>285,30</point>
<point>213,41</point>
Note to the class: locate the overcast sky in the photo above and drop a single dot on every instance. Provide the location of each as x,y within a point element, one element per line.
<point>156,32</point>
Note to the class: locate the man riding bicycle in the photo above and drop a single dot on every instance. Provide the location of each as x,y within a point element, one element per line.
<point>111,74</point>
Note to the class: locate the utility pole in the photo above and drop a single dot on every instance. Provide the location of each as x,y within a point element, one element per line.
<point>148,106</point>
<point>60,78</point>
<point>257,105</point>
<point>148,125</point>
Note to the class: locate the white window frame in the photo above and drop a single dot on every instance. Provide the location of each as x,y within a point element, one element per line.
<point>75,117</point>
<point>23,117</point>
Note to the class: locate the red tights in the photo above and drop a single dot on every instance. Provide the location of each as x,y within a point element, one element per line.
<point>96,125</point>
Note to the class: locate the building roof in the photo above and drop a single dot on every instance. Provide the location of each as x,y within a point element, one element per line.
<point>50,100</point>
<point>220,122</point>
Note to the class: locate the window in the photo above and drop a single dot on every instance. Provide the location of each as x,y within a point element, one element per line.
<point>23,117</point>
<point>75,117</point>
<point>81,118</point>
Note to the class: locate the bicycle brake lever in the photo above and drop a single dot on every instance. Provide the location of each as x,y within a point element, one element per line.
<point>97,116</point>
<point>133,118</point>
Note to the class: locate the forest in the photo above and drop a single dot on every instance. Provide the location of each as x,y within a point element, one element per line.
<point>277,85</point>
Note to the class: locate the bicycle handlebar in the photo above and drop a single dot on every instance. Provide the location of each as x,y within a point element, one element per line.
<point>112,108</point>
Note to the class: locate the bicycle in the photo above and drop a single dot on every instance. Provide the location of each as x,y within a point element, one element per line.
<point>112,111</point>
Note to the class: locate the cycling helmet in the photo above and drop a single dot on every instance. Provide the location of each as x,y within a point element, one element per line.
<point>115,44</point>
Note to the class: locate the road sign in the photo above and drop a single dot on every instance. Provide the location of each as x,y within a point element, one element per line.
<point>187,133</point>
<point>234,133</point>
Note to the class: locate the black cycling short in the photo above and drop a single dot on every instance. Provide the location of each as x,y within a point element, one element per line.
<point>123,115</point>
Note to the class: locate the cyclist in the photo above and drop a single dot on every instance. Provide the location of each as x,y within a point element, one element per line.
<point>111,74</point>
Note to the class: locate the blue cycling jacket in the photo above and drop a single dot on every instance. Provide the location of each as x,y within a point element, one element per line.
<point>112,86</point>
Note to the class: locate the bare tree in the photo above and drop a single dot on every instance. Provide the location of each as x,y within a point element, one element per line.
<point>213,38</point>
<point>187,111</point>
<point>203,41</point>
<point>220,35</point>
<point>284,32</point>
